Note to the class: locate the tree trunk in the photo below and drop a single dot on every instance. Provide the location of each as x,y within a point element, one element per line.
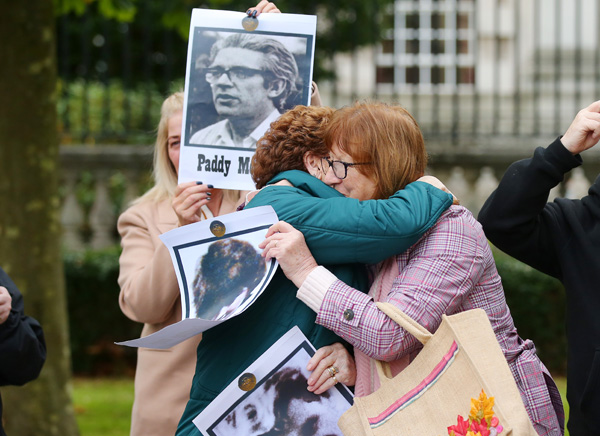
<point>29,211</point>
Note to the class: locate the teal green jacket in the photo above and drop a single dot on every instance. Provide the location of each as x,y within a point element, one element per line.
<point>340,233</point>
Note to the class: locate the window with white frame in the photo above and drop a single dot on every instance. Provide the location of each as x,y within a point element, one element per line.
<point>430,43</point>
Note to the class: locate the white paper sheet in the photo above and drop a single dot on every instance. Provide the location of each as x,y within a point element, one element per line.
<point>282,368</point>
<point>208,159</point>
<point>219,277</point>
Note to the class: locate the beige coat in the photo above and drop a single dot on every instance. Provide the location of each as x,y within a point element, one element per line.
<point>150,295</point>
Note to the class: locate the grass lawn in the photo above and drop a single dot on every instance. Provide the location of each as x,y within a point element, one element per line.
<point>103,405</point>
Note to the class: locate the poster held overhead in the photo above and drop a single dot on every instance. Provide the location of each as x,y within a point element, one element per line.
<point>238,82</point>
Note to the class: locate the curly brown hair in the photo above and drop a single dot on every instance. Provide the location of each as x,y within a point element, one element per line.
<point>285,143</point>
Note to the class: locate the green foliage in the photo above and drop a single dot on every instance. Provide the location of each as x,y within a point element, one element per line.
<point>95,319</point>
<point>178,20</point>
<point>91,111</point>
<point>343,25</point>
<point>537,304</point>
<point>65,6</point>
<point>120,10</point>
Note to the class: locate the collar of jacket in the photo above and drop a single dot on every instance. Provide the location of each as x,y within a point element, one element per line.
<point>304,181</point>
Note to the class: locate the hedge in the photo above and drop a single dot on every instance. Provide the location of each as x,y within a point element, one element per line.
<point>95,319</point>
<point>536,301</point>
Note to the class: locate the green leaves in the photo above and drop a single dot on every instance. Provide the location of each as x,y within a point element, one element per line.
<point>120,10</point>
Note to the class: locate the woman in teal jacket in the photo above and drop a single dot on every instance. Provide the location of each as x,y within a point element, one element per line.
<point>342,232</point>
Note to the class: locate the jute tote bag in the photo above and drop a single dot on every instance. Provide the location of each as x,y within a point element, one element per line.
<point>460,378</point>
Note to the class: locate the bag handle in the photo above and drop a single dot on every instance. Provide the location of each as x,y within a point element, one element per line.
<point>407,323</point>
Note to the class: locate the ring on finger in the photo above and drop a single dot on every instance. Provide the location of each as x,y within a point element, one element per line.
<point>335,382</point>
<point>333,370</point>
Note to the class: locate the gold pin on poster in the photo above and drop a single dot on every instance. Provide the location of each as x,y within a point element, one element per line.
<point>250,22</point>
<point>247,381</point>
<point>217,228</point>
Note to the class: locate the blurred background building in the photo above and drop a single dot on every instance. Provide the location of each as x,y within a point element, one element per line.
<point>488,81</point>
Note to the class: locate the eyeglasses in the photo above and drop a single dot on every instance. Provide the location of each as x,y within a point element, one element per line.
<point>233,73</point>
<point>340,168</point>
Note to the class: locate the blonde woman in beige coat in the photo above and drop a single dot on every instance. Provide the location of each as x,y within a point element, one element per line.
<point>149,290</point>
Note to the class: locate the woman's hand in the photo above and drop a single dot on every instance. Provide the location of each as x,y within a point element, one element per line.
<point>189,198</point>
<point>336,357</point>
<point>5,304</point>
<point>286,244</point>
<point>434,181</point>
<point>263,7</point>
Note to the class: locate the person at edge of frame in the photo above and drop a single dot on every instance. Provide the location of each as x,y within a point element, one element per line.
<point>22,343</point>
<point>562,239</point>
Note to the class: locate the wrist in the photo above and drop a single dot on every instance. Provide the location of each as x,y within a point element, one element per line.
<point>574,149</point>
<point>302,273</point>
<point>315,287</point>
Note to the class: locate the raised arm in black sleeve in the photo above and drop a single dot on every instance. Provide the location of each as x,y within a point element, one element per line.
<point>562,239</point>
<point>517,218</point>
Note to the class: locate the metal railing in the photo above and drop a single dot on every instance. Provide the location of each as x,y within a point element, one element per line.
<point>520,68</point>
<point>531,65</point>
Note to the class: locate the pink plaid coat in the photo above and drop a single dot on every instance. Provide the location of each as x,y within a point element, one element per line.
<point>449,270</point>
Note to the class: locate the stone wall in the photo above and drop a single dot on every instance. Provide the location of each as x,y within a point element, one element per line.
<point>99,181</point>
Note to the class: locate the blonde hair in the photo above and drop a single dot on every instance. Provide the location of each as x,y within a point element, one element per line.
<point>385,135</point>
<point>163,170</point>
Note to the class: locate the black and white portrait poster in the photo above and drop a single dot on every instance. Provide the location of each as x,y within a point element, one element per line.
<point>238,82</point>
<point>220,272</point>
<point>277,402</point>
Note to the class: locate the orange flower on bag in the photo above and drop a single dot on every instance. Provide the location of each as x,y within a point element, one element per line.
<point>482,408</point>
<point>481,421</point>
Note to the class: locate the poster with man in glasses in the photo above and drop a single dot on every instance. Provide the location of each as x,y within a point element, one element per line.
<point>237,83</point>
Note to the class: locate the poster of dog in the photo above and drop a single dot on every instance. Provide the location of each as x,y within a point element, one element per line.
<point>220,272</point>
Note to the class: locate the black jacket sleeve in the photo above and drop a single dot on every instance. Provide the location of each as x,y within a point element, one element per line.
<point>22,344</point>
<point>517,217</point>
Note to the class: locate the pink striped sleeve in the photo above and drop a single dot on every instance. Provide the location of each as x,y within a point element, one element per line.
<point>369,329</point>
<point>434,277</point>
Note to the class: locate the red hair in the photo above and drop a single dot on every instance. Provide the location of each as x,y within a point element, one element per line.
<point>388,136</point>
